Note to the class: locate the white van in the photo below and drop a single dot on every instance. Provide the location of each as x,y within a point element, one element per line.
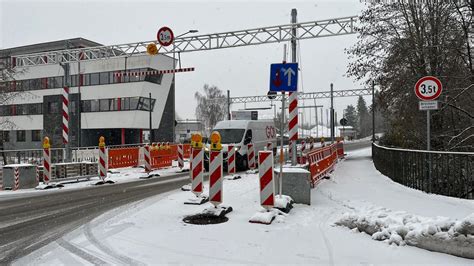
<point>242,132</point>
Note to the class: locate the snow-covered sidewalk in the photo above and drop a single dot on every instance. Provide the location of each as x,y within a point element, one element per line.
<point>152,231</point>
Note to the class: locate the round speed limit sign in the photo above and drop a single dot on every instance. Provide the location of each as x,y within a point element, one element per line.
<point>428,88</point>
<point>165,36</point>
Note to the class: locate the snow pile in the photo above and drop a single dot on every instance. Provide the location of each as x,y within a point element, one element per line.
<point>282,201</point>
<point>441,234</point>
<point>267,216</point>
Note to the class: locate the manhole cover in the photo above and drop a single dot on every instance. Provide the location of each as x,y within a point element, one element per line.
<point>205,219</point>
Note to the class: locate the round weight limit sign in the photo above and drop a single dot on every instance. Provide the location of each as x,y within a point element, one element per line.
<point>428,88</point>
<point>165,36</point>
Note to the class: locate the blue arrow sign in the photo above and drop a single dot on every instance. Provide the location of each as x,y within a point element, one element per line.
<point>284,77</point>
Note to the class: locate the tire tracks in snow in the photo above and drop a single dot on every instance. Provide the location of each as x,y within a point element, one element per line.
<point>80,253</point>
<point>108,250</point>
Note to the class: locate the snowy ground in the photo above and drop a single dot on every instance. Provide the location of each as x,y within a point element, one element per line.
<point>119,175</point>
<point>152,231</point>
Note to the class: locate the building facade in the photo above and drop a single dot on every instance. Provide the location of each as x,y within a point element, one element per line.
<point>184,129</point>
<point>108,97</point>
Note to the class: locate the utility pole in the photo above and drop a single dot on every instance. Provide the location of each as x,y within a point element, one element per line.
<point>293,59</point>
<point>79,80</point>
<point>332,114</point>
<point>228,105</point>
<point>151,137</point>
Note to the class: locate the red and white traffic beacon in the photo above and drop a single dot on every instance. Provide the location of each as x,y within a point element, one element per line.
<point>216,178</point>
<point>197,160</point>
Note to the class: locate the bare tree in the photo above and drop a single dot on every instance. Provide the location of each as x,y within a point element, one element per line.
<point>208,108</point>
<point>402,41</point>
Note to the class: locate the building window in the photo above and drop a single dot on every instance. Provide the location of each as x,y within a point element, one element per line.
<point>134,103</point>
<point>20,135</point>
<point>44,83</point>
<point>144,104</point>
<point>53,107</point>
<point>104,78</point>
<point>4,110</point>
<point>6,136</point>
<point>35,108</point>
<point>21,109</point>
<point>35,135</point>
<point>94,79</point>
<point>87,79</point>
<point>104,105</point>
<point>125,104</point>
<point>35,84</point>
<point>95,106</point>
<point>154,78</point>
<point>72,107</point>
<point>86,106</point>
<point>55,82</point>
<point>74,79</point>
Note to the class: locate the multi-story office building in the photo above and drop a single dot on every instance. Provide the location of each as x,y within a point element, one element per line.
<point>113,103</point>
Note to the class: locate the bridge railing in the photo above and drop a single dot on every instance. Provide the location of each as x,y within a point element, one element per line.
<point>452,173</point>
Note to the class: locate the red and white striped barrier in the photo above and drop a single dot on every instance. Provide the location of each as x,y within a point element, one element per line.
<point>197,168</point>
<point>16,186</point>
<point>293,120</point>
<point>147,158</point>
<point>65,115</point>
<point>321,162</point>
<point>1,182</point>
<point>251,155</point>
<point>231,159</point>
<point>265,171</point>
<point>102,159</point>
<point>215,178</point>
<point>46,161</point>
<point>303,146</point>
<point>155,72</point>
<point>180,156</point>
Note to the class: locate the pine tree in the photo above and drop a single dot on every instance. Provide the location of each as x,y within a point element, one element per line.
<point>364,125</point>
<point>351,115</point>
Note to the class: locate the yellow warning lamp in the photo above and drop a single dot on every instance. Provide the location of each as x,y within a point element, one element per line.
<point>46,143</point>
<point>153,146</point>
<point>151,49</point>
<point>196,141</point>
<point>101,142</point>
<point>192,141</point>
<point>167,147</point>
<point>216,141</point>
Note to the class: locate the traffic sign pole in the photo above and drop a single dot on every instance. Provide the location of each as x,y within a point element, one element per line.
<point>428,88</point>
<point>428,146</point>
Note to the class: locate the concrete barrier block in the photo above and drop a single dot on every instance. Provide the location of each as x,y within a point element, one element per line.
<point>296,184</point>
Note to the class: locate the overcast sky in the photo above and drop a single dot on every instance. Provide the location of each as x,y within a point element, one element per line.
<point>244,71</point>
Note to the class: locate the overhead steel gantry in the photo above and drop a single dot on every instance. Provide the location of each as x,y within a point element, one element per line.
<point>301,96</point>
<point>256,36</point>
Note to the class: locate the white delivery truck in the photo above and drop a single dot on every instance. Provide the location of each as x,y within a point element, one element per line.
<point>240,133</point>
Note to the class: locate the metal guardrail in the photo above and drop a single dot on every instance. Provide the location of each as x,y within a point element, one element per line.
<point>452,173</point>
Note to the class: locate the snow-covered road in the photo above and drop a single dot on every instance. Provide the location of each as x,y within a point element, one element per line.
<point>152,231</point>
